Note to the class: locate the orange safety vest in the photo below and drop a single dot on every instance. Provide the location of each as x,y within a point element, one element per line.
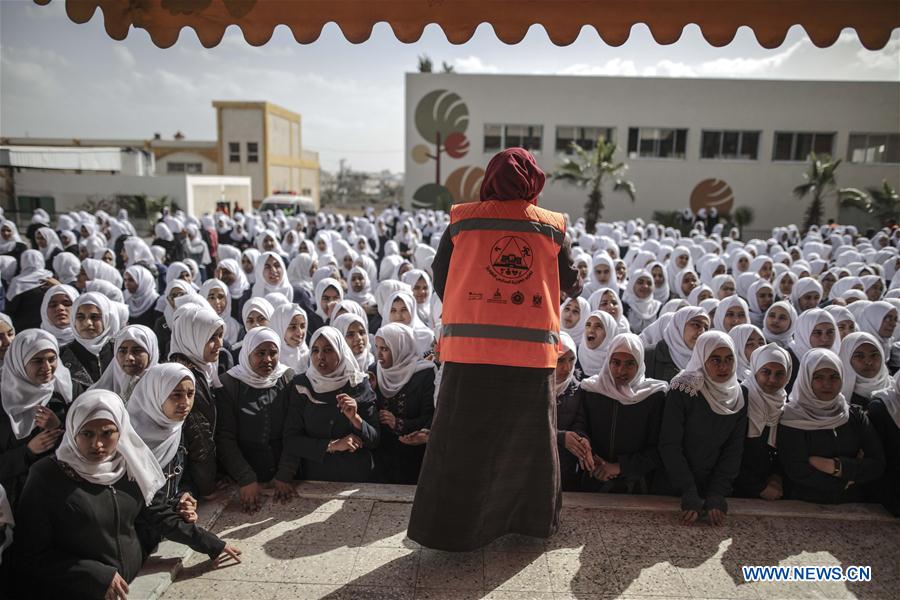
<point>501,299</point>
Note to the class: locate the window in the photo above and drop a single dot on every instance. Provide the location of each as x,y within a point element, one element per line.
<point>586,137</point>
<point>29,204</point>
<point>729,144</point>
<point>252,152</point>
<point>182,167</point>
<point>234,152</point>
<point>874,148</point>
<point>306,192</point>
<point>796,146</point>
<point>498,137</point>
<point>656,142</point>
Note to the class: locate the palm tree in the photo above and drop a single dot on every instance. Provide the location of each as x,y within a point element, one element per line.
<point>821,182</point>
<point>743,216</point>
<point>425,64</point>
<point>882,203</point>
<point>589,170</point>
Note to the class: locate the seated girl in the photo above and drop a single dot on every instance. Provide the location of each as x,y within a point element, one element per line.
<point>746,338</point>
<point>252,407</point>
<point>703,430</point>
<point>573,314</point>
<point>672,354</point>
<point>91,350</point>
<point>141,296</point>
<point>329,292</point>
<point>779,324</point>
<point>35,394</point>
<point>574,446</point>
<point>638,304</point>
<point>81,510</point>
<point>730,312</point>
<point>405,398</point>
<point>56,313</point>
<point>760,297</point>
<point>332,424</point>
<point>401,308</point>
<point>217,295</point>
<point>135,352</point>
<point>865,369</point>
<point>815,329</point>
<point>353,328</point>
<point>290,323</point>
<point>621,412</point>
<point>827,447</point>
<point>884,414</point>
<point>760,476</point>
<point>599,331</point>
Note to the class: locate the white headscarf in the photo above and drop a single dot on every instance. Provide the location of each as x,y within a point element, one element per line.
<point>167,309</point>
<point>802,287</point>
<point>891,398</point>
<point>803,410</point>
<point>782,339</point>
<point>32,274</point>
<point>673,335</point>
<point>854,382</point>
<point>806,323</point>
<point>295,358</point>
<point>424,335</point>
<point>52,242</point>
<point>639,388</point>
<point>132,456</point>
<point>146,296</point>
<point>232,327</point>
<point>161,434</point>
<point>593,361</point>
<point>723,398</point>
<point>63,335</point>
<point>722,310</point>
<point>263,287</point>
<point>595,299</point>
<point>324,284</point>
<point>66,266</point>
<point>8,246</point>
<point>641,311</point>
<point>576,331</point>
<point>240,284</point>
<point>757,315</point>
<point>406,359</point>
<point>243,372</point>
<point>364,359</point>
<point>95,344</point>
<point>740,335</point>
<point>20,396</point>
<point>764,409</point>
<point>97,269</point>
<point>347,370</point>
<point>412,277</point>
<point>114,378</point>
<point>566,343</point>
<point>870,321</point>
<point>299,271</point>
<point>193,326</point>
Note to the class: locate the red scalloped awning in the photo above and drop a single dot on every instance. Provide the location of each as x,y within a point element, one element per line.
<point>823,20</point>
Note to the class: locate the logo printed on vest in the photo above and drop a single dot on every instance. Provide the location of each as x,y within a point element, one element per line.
<point>511,260</point>
<point>517,297</point>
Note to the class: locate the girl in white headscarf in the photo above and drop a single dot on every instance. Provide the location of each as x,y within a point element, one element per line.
<point>7,335</point>
<point>815,329</point>
<point>300,272</point>
<point>217,295</point>
<point>230,272</point>
<point>599,330</point>
<point>661,290</point>
<point>405,399</point>
<point>865,369</point>
<point>770,368</point>
<point>250,432</point>
<point>49,244</point>
<point>66,267</point>
<point>603,275</point>
<point>271,276</point>
<point>824,443</point>
<point>746,338</point>
<point>760,297</point>
<point>291,323</point>
<point>325,302</point>
<point>730,312</point>
<point>639,305</point>
<point>622,412</point>
<point>674,351</point>
<point>846,322</point>
<point>880,319</point>
<point>94,326</point>
<point>685,281</point>
<point>702,438</point>
<point>332,413</point>
<point>86,503</point>
<point>257,312</point>
<point>806,294</point>
<point>574,446</point>
<point>11,243</point>
<point>136,350</point>
<point>248,264</point>
<point>356,333</point>
<point>359,287</point>
<point>91,269</point>
<point>606,299</point>
<point>401,308</point>
<point>36,391</point>
<point>779,323</point>
<point>23,294</point>
<point>141,296</point>
<point>56,313</point>
<point>423,291</point>
<point>884,414</point>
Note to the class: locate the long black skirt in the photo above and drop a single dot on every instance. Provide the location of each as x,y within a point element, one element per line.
<point>491,466</point>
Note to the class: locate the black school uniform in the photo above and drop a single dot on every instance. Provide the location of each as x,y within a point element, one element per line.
<point>805,482</point>
<point>886,489</point>
<point>568,407</point>
<point>659,363</point>
<point>701,450</point>
<point>250,430</point>
<point>72,536</point>
<point>84,366</point>
<point>198,435</point>
<point>413,406</point>
<point>758,462</point>
<point>624,434</point>
<point>314,420</point>
<point>148,318</point>
<point>16,253</point>
<point>25,309</point>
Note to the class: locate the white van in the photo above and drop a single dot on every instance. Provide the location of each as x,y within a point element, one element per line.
<point>291,204</point>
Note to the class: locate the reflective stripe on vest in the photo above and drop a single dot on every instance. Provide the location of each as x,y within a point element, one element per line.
<point>500,332</point>
<point>489,224</point>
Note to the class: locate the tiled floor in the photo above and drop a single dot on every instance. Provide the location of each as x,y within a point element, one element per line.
<point>349,544</point>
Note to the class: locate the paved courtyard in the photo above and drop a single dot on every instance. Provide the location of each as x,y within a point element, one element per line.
<point>340,541</point>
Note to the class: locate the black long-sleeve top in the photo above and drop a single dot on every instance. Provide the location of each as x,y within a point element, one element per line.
<point>624,434</point>
<point>314,420</point>
<point>658,362</point>
<point>15,457</point>
<point>805,482</point>
<point>198,434</point>
<point>886,489</point>
<point>72,536</point>
<point>567,409</point>
<point>413,406</point>
<point>759,461</point>
<point>25,309</point>
<point>250,430</point>
<point>569,278</point>
<point>85,367</point>
<point>701,450</point>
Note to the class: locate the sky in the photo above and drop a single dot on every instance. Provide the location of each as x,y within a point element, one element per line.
<point>61,79</point>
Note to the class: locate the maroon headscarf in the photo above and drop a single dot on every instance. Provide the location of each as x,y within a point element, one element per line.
<point>512,175</point>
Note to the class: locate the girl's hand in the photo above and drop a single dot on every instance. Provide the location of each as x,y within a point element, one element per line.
<point>45,418</point>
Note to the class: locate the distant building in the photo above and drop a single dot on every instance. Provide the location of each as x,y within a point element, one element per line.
<point>258,152</point>
<point>688,142</point>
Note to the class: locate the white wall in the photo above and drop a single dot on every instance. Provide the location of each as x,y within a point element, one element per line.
<point>696,104</point>
<point>243,125</point>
